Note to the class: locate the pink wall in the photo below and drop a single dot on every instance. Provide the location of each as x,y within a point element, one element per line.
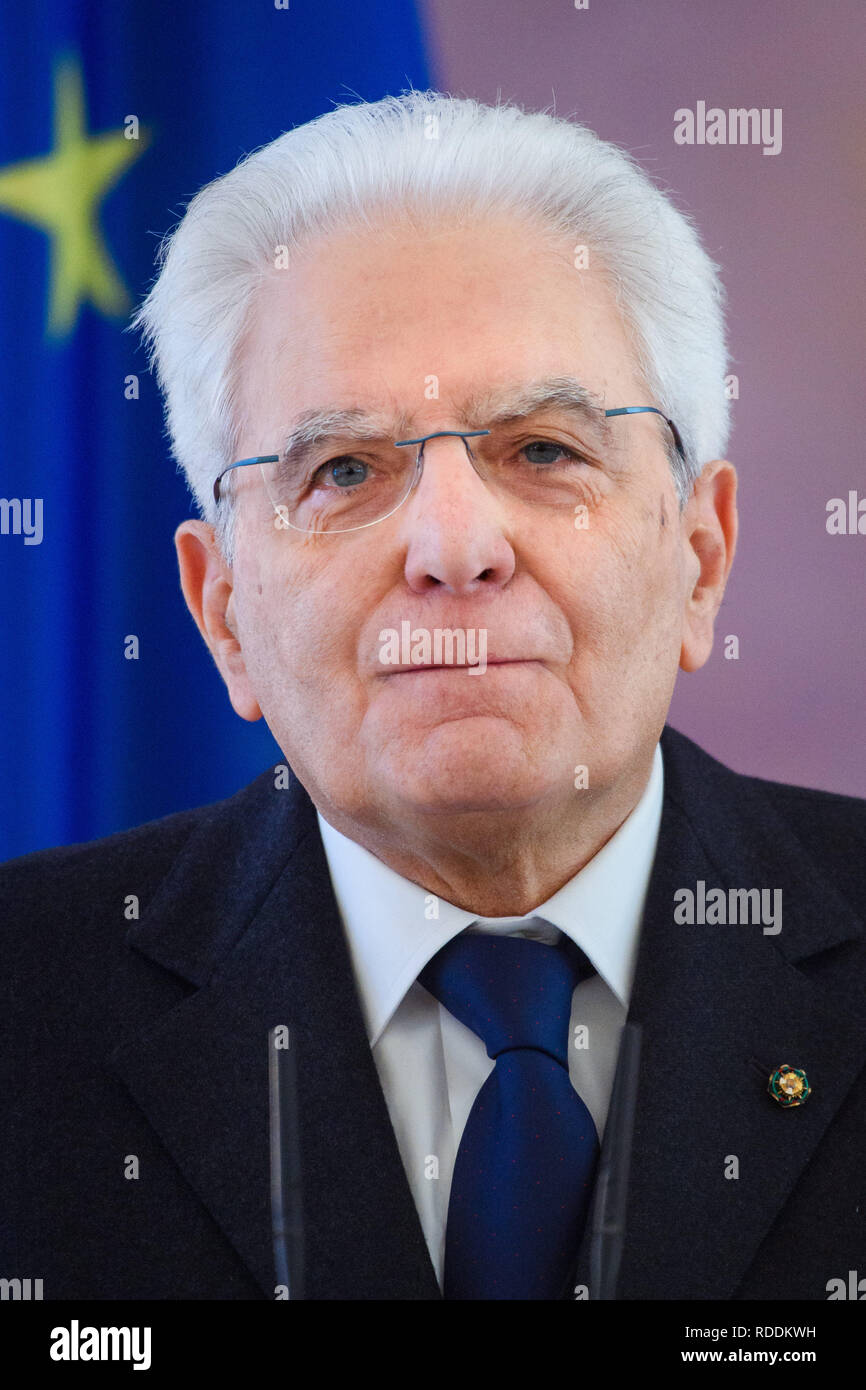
<point>790,234</point>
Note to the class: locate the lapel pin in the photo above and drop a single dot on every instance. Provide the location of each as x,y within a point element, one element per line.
<point>789,1086</point>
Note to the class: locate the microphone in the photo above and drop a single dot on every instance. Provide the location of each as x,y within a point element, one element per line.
<point>287,1217</point>
<point>611,1192</point>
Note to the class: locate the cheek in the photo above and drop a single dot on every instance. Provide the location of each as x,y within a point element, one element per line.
<point>654,583</point>
<point>657,608</point>
<point>300,624</point>
<point>623,584</point>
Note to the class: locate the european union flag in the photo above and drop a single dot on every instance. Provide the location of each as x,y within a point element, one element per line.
<point>111,117</point>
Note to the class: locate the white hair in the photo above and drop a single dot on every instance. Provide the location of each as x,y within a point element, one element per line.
<point>426,151</point>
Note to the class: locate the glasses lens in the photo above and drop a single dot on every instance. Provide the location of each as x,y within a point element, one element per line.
<point>547,464</point>
<point>339,492</point>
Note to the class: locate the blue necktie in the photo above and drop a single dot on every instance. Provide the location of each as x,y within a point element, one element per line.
<point>526,1163</point>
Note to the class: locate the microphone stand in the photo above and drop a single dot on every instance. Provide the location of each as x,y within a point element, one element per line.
<point>611,1192</point>
<point>287,1218</point>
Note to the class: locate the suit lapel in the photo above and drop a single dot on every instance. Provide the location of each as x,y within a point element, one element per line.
<point>720,1008</point>
<point>248,917</point>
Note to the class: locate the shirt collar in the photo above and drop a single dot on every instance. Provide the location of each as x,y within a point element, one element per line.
<point>394,927</point>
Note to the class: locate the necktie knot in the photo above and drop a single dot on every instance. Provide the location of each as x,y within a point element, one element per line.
<point>513,992</point>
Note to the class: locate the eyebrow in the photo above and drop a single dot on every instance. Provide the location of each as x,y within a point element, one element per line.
<point>498,406</point>
<point>502,406</point>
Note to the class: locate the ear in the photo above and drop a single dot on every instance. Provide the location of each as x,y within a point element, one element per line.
<point>709,531</point>
<point>207,584</point>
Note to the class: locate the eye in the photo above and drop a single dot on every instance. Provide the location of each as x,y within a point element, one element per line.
<point>544,452</point>
<point>344,472</point>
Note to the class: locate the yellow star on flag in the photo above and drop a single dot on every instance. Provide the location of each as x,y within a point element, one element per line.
<point>60,192</point>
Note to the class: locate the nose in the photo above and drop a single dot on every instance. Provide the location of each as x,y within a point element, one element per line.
<point>455,529</point>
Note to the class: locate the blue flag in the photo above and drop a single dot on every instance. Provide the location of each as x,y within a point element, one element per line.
<point>111,118</point>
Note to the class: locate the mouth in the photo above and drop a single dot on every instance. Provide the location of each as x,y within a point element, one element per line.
<point>420,667</point>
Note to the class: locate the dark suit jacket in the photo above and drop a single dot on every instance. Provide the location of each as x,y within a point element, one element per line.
<point>149,1039</point>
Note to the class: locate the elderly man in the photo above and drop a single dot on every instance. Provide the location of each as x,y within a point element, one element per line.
<point>447,383</point>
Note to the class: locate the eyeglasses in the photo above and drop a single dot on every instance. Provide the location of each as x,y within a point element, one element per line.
<point>351,490</point>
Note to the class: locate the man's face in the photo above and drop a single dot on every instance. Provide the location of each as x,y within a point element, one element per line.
<point>591,619</point>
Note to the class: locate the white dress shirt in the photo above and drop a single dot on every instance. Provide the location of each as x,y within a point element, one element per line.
<point>430,1065</point>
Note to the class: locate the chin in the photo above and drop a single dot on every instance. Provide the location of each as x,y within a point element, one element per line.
<point>467,765</point>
